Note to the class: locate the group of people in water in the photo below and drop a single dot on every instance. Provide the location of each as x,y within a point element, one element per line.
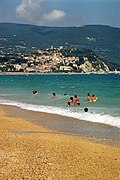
<point>76,101</point>
<point>91,99</point>
<point>73,101</point>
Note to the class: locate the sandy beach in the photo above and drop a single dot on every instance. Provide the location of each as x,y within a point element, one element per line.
<point>37,150</point>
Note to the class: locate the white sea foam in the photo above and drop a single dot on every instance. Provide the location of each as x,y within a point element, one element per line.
<point>93,117</point>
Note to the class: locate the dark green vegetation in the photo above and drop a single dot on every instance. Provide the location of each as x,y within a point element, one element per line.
<point>103,40</point>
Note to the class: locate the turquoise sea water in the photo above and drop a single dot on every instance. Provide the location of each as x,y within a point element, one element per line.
<point>17,90</point>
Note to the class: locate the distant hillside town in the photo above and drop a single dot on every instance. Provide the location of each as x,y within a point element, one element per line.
<point>53,60</point>
<point>85,49</point>
<point>101,39</point>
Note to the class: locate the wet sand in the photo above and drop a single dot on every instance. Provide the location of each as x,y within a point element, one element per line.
<point>32,151</point>
<point>70,126</point>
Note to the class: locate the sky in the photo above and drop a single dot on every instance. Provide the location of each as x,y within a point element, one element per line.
<point>61,12</point>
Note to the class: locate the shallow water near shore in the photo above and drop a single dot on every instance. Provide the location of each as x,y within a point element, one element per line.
<point>66,125</point>
<point>16,90</point>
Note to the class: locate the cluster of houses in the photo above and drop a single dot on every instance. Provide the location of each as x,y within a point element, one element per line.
<point>48,61</point>
<point>43,61</point>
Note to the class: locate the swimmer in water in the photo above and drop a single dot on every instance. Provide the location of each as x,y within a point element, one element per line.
<point>54,95</point>
<point>70,102</point>
<point>94,98</point>
<point>88,97</point>
<point>35,92</point>
<point>76,100</point>
<point>85,109</point>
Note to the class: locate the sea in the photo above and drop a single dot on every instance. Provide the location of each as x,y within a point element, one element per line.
<point>16,90</point>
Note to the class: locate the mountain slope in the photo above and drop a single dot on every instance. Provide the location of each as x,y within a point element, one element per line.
<point>103,40</point>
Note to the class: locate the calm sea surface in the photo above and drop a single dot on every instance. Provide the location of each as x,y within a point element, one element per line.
<point>17,90</point>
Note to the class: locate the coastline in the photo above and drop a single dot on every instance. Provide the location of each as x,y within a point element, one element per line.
<point>67,125</point>
<point>39,153</point>
<point>53,73</point>
<point>18,91</point>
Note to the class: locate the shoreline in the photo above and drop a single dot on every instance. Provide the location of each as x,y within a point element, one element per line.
<point>50,156</point>
<point>67,125</point>
<point>58,73</point>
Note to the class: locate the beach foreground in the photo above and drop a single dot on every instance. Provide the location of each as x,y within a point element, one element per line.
<point>29,151</point>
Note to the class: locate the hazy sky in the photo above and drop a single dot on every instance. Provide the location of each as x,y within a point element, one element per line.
<point>61,12</point>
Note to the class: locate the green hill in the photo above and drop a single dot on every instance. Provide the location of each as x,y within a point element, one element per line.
<point>103,40</point>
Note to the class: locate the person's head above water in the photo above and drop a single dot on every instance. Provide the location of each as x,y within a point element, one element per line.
<point>54,95</point>
<point>85,109</point>
<point>71,98</point>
